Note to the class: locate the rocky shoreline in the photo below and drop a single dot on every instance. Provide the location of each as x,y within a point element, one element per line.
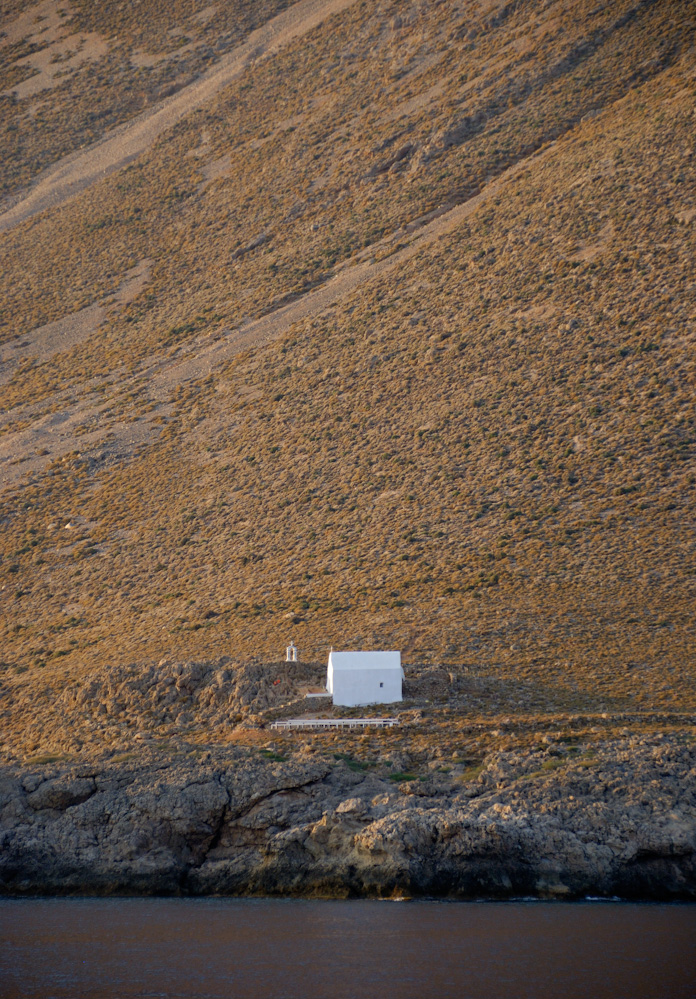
<point>619,819</point>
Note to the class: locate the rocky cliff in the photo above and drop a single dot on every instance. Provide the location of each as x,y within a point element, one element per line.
<point>560,821</point>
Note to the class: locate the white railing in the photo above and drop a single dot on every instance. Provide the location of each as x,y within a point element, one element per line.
<point>336,723</point>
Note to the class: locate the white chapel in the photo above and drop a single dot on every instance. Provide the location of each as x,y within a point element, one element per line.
<point>356,678</point>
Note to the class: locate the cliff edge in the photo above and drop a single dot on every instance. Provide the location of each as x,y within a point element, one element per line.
<point>563,821</point>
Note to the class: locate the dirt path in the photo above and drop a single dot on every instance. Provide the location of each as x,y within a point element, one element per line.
<point>42,343</point>
<point>29,450</point>
<point>79,170</point>
<point>355,273</point>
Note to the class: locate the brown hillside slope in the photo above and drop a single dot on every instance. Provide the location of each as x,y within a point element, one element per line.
<point>479,449</point>
<point>121,146</point>
<point>70,72</point>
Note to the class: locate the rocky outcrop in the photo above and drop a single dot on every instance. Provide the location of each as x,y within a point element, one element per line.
<point>617,820</point>
<point>173,692</point>
<point>131,704</point>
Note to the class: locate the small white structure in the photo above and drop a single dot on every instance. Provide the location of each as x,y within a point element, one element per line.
<point>355,678</point>
<point>291,654</point>
<point>314,723</point>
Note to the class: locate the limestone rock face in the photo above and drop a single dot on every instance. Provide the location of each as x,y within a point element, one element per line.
<point>61,793</point>
<point>622,822</point>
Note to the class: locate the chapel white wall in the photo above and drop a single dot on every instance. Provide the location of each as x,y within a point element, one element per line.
<point>362,686</point>
<point>354,678</point>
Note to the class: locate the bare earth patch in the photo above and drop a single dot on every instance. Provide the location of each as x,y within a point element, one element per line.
<point>80,170</point>
<point>53,64</point>
<point>588,251</point>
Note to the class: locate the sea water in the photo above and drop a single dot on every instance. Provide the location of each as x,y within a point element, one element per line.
<point>294,949</point>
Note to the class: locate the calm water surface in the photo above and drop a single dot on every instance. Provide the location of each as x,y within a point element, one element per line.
<point>289,949</point>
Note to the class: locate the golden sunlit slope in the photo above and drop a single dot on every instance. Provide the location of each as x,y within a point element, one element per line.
<point>390,344</point>
<point>69,72</point>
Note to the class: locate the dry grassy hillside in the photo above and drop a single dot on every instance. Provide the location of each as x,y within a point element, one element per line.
<point>390,342</point>
<point>69,72</point>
